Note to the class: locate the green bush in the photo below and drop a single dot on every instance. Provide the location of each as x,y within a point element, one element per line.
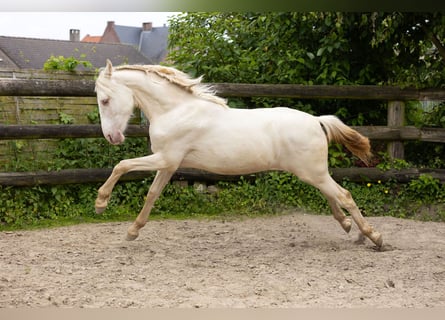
<point>65,64</point>
<point>269,193</point>
<point>426,189</point>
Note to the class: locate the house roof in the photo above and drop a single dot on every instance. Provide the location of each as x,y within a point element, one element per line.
<point>128,35</point>
<point>89,38</point>
<point>30,53</point>
<point>152,42</point>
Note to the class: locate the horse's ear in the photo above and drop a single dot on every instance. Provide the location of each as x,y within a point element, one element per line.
<point>108,68</point>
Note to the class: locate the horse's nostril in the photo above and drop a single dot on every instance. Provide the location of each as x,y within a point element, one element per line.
<point>115,139</point>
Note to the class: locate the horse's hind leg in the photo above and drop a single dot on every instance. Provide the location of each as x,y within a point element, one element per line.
<point>159,182</point>
<point>328,187</point>
<point>340,216</point>
<point>338,198</point>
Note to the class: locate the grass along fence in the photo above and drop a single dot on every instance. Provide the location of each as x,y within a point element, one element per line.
<point>394,133</point>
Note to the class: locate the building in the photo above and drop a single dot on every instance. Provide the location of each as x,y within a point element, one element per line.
<point>150,41</point>
<point>30,53</point>
<point>120,44</point>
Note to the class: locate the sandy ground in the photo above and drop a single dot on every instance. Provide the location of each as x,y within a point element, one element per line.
<point>292,260</point>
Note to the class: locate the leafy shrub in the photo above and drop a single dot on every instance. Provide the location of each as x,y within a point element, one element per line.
<point>426,188</point>
<point>65,64</point>
<point>269,193</point>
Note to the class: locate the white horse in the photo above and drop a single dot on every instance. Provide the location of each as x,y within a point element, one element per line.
<point>190,127</point>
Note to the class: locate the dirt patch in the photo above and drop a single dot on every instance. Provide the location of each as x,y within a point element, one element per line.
<point>293,260</point>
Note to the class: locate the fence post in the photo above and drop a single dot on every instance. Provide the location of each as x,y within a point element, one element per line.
<point>396,118</point>
<point>144,122</point>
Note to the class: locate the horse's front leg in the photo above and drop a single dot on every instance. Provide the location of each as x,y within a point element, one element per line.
<point>159,182</point>
<point>152,162</point>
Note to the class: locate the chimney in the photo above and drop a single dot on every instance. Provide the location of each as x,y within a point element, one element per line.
<point>75,35</point>
<point>147,26</point>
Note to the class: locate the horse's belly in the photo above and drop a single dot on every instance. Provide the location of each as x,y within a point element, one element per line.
<point>242,159</point>
<point>227,167</point>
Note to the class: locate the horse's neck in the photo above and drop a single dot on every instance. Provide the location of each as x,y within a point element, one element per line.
<point>154,103</point>
<point>156,96</point>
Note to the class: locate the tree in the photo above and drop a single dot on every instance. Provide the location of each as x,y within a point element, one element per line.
<point>319,48</point>
<point>418,51</point>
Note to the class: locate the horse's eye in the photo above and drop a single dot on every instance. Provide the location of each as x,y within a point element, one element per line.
<point>105,102</point>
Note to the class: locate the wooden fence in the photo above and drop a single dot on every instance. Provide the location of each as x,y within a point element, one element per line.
<point>394,132</point>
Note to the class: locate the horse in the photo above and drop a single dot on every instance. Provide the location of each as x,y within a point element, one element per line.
<point>192,127</point>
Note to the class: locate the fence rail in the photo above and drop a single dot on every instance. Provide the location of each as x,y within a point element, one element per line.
<point>85,88</point>
<point>395,132</point>
<point>59,131</point>
<point>72,176</point>
<point>62,131</point>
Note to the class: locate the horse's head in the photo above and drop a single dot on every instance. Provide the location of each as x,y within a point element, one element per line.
<point>116,104</point>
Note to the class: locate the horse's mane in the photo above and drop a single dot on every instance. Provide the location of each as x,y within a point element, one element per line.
<point>181,79</point>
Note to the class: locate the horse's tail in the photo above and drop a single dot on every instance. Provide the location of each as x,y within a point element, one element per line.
<point>337,131</point>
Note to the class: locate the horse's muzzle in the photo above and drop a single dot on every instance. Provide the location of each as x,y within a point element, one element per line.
<point>115,138</point>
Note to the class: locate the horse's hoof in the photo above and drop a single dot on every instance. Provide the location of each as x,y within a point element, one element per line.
<point>377,238</point>
<point>131,237</point>
<point>346,225</point>
<point>101,204</point>
<point>100,210</point>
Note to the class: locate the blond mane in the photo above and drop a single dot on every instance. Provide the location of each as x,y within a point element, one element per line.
<point>181,79</point>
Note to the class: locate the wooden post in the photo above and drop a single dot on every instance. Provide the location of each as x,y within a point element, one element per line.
<point>396,118</point>
<point>144,122</point>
